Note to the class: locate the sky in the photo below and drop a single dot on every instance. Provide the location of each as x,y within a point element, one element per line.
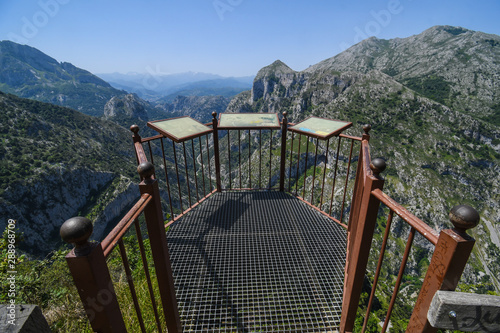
<point>225,37</point>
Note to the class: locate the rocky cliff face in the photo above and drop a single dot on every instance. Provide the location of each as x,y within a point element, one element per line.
<point>56,163</point>
<point>454,66</point>
<point>129,106</point>
<point>197,107</point>
<point>41,206</point>
<point>112,203</point>
<point>438,156</point>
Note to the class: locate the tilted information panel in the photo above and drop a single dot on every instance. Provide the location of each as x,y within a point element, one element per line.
<point>320,128</point>
<point>249,121</point>
<point>180,129</point>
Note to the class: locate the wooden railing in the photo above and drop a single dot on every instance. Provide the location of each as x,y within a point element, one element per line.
<point>452,248</point>
<point>89,267</point>
<point>192,172</point>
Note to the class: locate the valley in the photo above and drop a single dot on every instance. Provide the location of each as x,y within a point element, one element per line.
<point>432,100</point>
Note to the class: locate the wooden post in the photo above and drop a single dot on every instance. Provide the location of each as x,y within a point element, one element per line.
<point>139,151</point>
<point>216,152</point>
<point>136,139</point>
<point>447,264</point>
<point>91,276</point>
<point>359,181</point>
<point>465,311</point>
<point>159,247</point>
<point>359,241</point>
<point>284,126</point>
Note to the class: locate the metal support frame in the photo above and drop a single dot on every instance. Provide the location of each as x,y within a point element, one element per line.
<point>87,261</point>
<point>216,152</point>
<point>284,126</point>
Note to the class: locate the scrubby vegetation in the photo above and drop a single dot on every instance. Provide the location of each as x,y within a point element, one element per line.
<point>37,136</point>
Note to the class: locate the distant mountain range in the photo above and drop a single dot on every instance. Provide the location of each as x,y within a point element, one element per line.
<point>29,73</point>
<point>154,87</point>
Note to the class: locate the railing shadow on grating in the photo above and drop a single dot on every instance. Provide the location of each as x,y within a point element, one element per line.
<point>230,159</point>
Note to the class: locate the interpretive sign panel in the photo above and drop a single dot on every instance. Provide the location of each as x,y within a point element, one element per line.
<point>249,121</point>
<point>180,129</point>
<point>320,128</point>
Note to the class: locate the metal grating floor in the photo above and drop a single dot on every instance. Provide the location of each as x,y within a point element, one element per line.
<point>257,262</point>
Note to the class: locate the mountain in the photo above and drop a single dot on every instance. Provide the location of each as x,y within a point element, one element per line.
<point>29,73</point>
<point>226,87</point>
<point>451,65</point>
<point>57,163</point>
<point>433,112</point>
<point>197,107</point>
<point>127,109</point>
<point>154,87</point>
<point>439,152</point>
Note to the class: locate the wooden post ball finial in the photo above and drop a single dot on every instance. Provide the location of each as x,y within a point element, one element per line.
<point>464,217</point>
<point>134,129</point>
<point>146,170</point>
<point>77,231</point>
<point>378,166</point>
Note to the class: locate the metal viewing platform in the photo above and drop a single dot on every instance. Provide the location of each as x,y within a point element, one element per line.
<point>254,224</point>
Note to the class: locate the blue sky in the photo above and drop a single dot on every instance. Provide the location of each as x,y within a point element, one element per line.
<point>226,37</point>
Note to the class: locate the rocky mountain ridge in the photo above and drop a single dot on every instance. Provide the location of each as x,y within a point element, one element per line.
<point>57,163</point>
<point>129,107</point>
<point>437,155</point>
<point>452,65</point>
<point>30,73</point>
